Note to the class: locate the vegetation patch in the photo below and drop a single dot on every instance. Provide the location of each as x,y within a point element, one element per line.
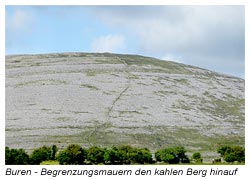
<point>110,60</point>
<point>163,93</point>
<point>46,109</point>
<point>182,81</point>
<point>133,76</point>
<point>226,107</point>
<point>169,67</point>
<point>81,112</point>
<point>75,154</point>
<point>62,118</point>
<point>182,105</point>
<point>129,112</point>
<point>36,64</point>
<point>91,73</point>
<point>89,86</point>
<point>42,82</point>
<point>50,162</point>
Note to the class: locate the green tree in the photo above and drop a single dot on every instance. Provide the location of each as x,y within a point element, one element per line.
<point>158,155</point>
<point>40,154</point>
<point>136,156</point>
<point>72,155</point>
<point>54,149</point>
<point>197,157</point>
<point>231,154</point>
<point>16,157</point>
<point>8,157</point>
<point>229,157</point>
<point>113,156</point>
<point>224,150</point>
<point>168,155</point>
<point>180,153</point>
<point>239,153</point>
<point>95,155</point>
<point>127,155</point>
<point>140,156</point>
<point>146,156</point>
<point>170,158</point>
<point>173,155</point>
<point>124,152</point>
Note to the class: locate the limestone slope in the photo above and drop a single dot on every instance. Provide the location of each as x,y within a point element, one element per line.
<point>111,99</point>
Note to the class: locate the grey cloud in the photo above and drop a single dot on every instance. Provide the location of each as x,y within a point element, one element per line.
<point>203,35</point>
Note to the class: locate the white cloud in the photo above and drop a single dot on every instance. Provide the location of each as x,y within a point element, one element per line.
<point>20,20</point>
<point>108,43</point>
<point>202,35</point>
<point>172,57</point>
<point>18,24</point>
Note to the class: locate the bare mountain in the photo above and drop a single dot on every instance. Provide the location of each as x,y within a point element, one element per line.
<point>111,99</point>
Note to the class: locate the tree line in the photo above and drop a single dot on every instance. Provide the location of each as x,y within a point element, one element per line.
<point>76,155</point>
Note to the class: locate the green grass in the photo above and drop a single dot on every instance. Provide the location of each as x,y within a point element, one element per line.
<point>55,162</point>
<point>158,137</point>
<point>36,64</point>
<point>80,112</point>
<point>169,67</point>
<point>200,163</point>
<point>225,107</point>
<point>182,81</point>
<point>88,86</point>
<point>110,60</point>
<point>16,61</point>
<point>181,105</point>
<point>42,82</point>
<point>62,118</point>
<point>231,107</point>
<point>46,109</point>
<point>129,112</point>
<point>50,162</point>
<point>90,73</point>
<point>133,76</point>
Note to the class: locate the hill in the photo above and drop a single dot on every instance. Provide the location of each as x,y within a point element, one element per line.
<point>111,99</point>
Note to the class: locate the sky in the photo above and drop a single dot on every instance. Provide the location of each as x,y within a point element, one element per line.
<point>211,37</point>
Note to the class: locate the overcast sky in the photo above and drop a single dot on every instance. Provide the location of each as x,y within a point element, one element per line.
<point>212,37</point>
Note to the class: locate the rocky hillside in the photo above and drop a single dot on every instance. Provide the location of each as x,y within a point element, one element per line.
<point>111,99</point>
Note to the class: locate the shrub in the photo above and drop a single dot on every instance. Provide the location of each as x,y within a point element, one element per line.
<point>231,154</point>
<point>125,154</point>
<point>40,154</point>
<point>16,157</point>
<point>224,150</point>
<point>197,157</point>
<point>180,152</point>
<point>73,154</point>
<point>239,153</point>
<point>217,160</point>
<point>54,149</point>
<point>95,155</point>
<point>140,156</point>
<point>172,155</point>
<point>113,156</point>
<point>167,155</point>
